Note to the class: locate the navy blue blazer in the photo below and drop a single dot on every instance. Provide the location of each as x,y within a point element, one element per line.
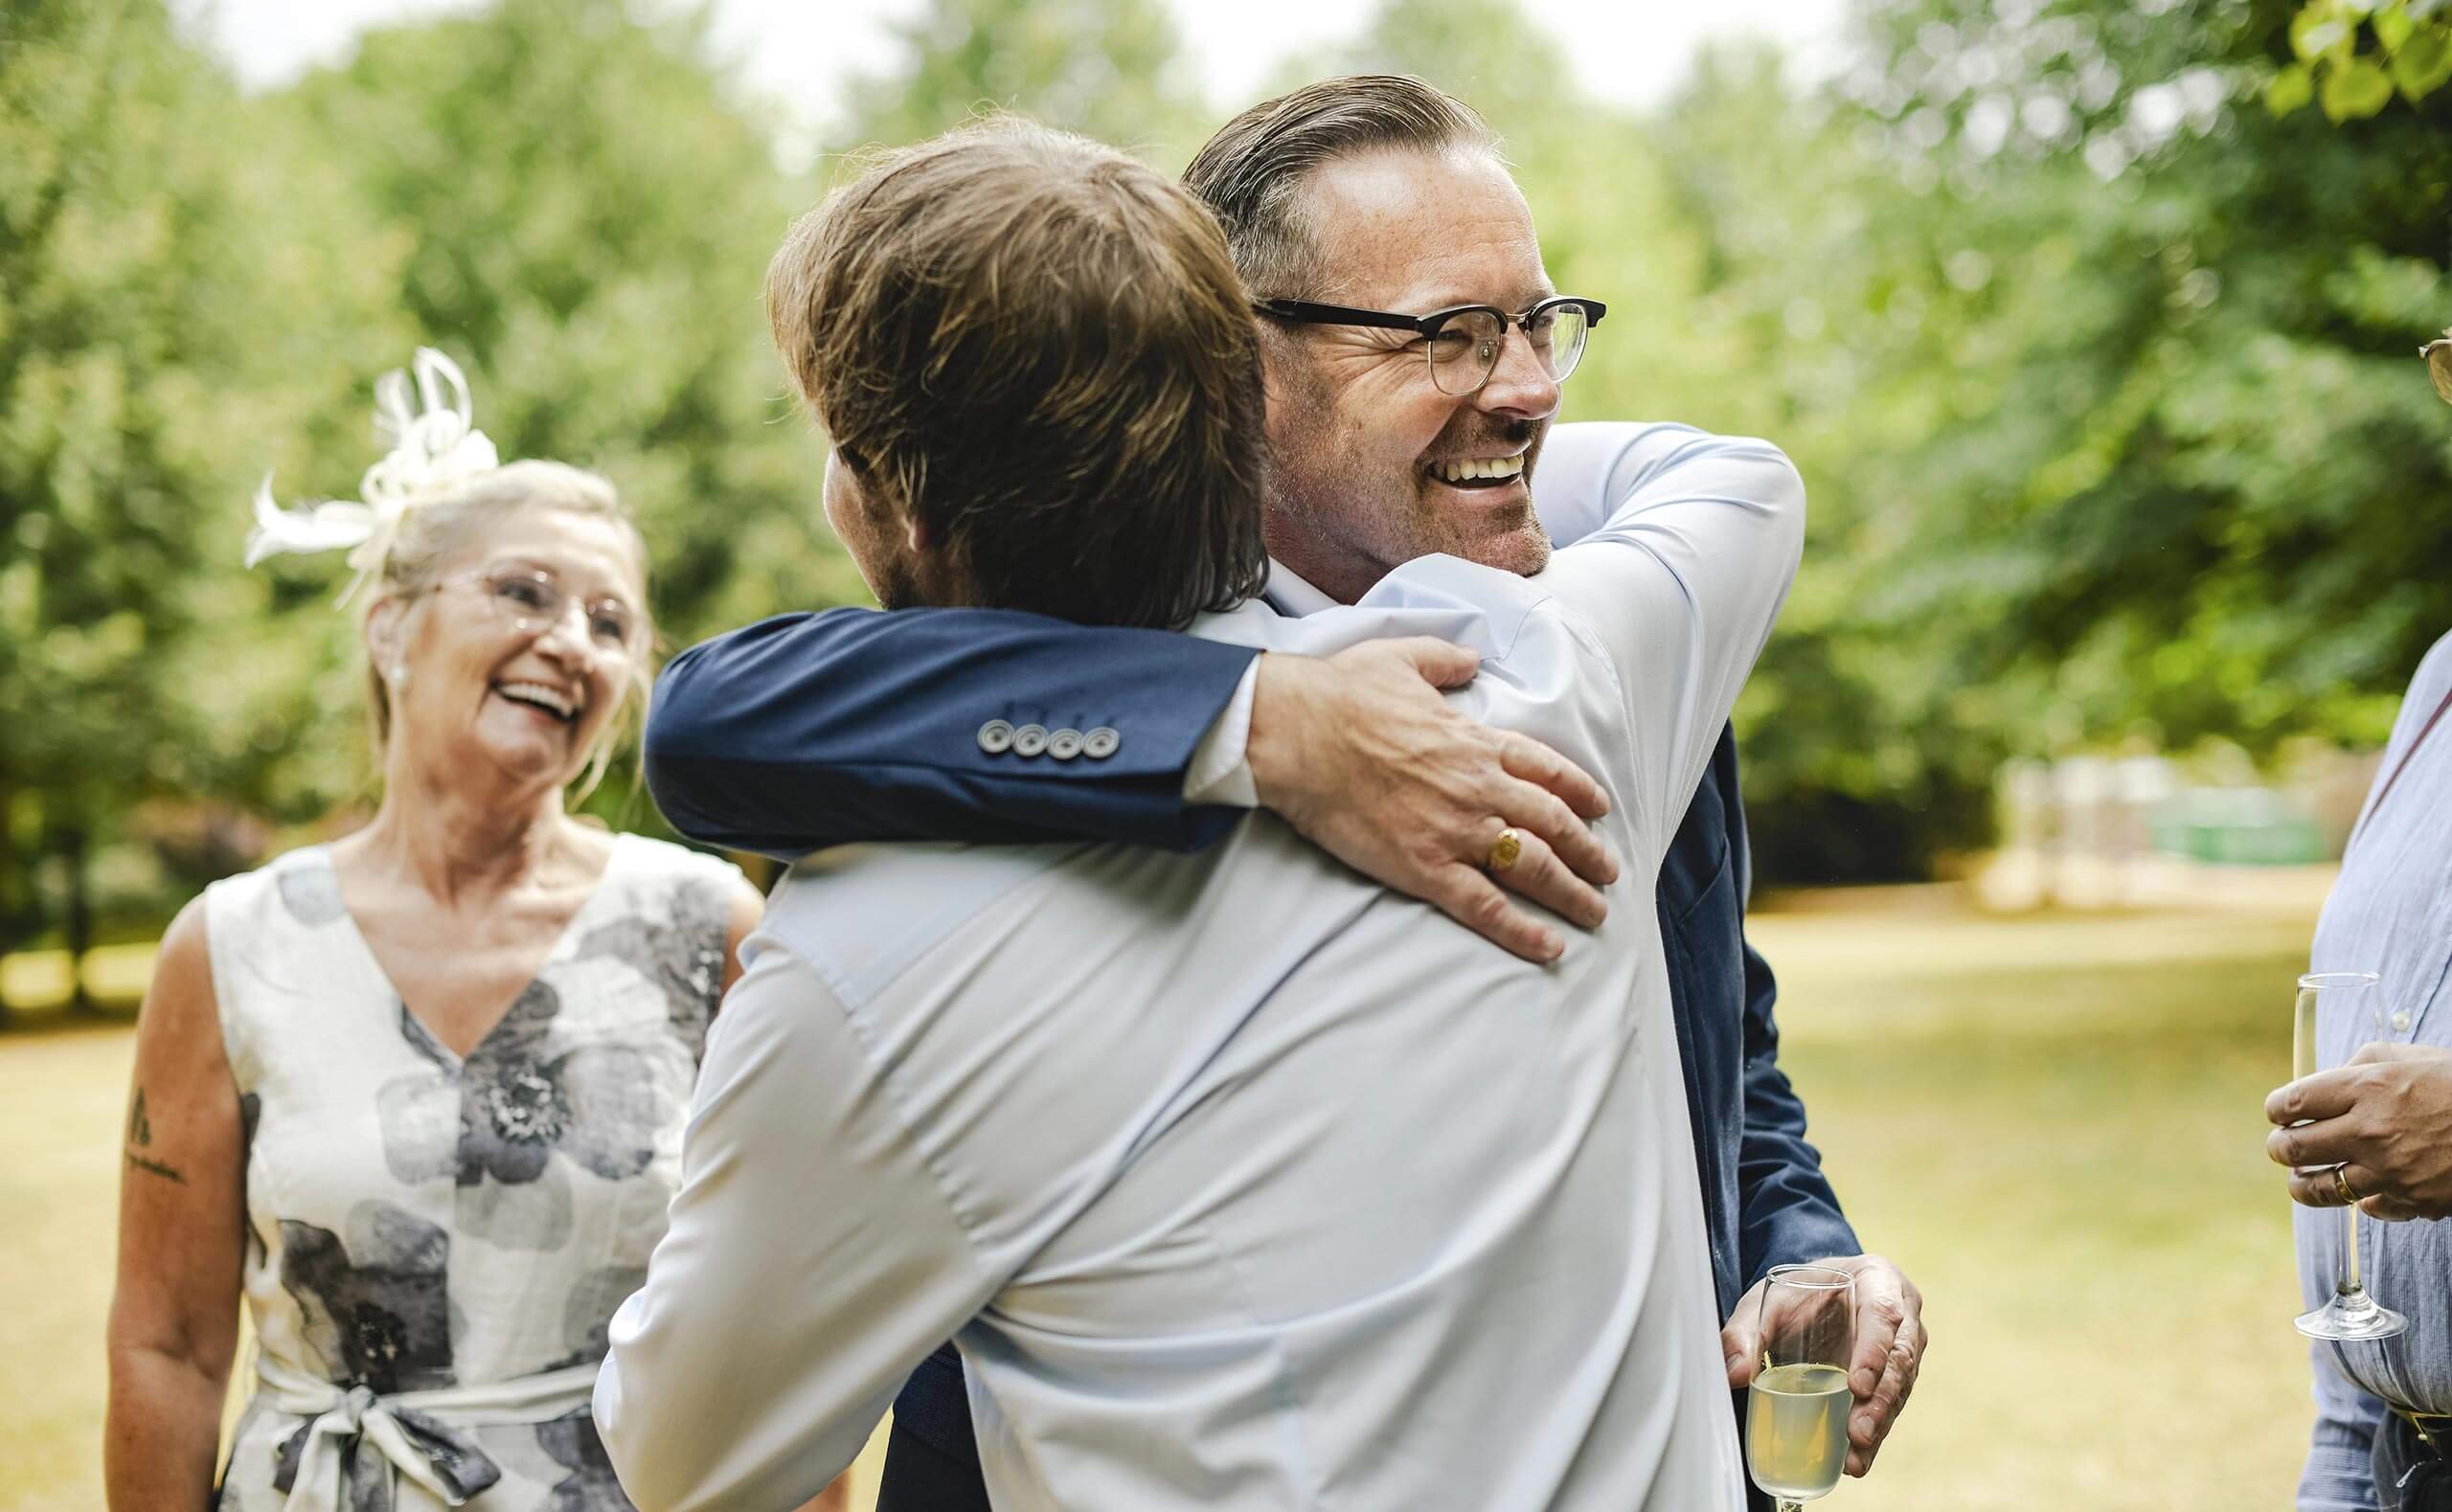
<point>814,730</point>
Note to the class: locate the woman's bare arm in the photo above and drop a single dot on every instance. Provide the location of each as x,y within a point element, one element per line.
<point>182,1224</point>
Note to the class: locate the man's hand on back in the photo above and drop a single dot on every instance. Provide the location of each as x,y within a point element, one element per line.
<point>1360,755</point>
<point>1889,1349</point>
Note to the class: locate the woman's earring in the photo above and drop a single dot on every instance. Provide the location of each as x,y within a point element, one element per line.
<point>399,674</point>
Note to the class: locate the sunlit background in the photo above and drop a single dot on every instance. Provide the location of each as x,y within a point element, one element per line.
<point>2091,324</point>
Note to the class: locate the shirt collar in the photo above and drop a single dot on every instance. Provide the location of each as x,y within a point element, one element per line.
<point>1289,594</point>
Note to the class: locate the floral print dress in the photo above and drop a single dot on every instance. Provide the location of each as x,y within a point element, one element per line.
<point>435,1245</point>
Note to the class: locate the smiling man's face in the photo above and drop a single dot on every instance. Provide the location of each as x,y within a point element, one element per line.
<point>1370,464</point>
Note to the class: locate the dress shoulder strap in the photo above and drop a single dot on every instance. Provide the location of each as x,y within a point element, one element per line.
<point>666,914</point>
<point>277,936</point>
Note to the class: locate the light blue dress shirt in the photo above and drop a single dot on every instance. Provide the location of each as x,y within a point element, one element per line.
<point>1239,1181</point>
<point>2391,914</point>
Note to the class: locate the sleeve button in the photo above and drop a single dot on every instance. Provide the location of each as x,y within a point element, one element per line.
<point>996,737</point>
<point>1100,743</point>
<point>1030,740</point>
<point>1064,744</point>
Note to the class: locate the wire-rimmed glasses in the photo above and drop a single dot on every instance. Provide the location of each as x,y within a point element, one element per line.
<point>1796,1408</point>
<point>533,600</point>
<point>2350,1312</point>
<point>1464,341</point>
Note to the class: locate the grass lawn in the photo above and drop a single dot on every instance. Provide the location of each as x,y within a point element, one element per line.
<point>2051,1123</point>
<point>2055,1127</point>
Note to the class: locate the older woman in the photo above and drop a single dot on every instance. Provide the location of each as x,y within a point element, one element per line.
<point>418,1094</point>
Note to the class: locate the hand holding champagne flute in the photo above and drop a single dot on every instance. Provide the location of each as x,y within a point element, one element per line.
<point>2350,1312</point>
<point>1795,1409</point>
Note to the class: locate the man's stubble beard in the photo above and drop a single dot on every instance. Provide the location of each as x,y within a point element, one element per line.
<point>1324,504</point>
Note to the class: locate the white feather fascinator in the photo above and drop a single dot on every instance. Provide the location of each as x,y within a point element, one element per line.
<point>435,447</point>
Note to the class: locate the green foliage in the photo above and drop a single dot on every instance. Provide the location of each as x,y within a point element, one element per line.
<point>584,219</point>
<point>580,219</point>
<point>2411,55</point>
<point>151,364</point>
<point>1111,69</point>
<point>1485,52</point>
<point>196,289</point>
<point>2189,484</point>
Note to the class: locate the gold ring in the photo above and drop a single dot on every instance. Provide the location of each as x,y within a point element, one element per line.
<point>2341,1184</point>
<point>1506,851</point>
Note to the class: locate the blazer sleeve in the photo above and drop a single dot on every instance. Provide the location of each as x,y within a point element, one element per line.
<point>815,730</point>
<point>1787,1212</point>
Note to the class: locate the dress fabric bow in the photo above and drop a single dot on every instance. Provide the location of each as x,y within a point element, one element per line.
<point>353,1442</point>
<point>349,1453</point>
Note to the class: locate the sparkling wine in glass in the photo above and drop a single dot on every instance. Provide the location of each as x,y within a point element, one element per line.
<point>1796,1410</point>
<point>2350,1313</point>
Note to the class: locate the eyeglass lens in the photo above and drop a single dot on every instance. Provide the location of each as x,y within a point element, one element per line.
<point>533,601</point>
<point>1467,350</point>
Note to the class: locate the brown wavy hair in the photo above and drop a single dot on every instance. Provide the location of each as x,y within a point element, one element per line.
<point>1037,347</point>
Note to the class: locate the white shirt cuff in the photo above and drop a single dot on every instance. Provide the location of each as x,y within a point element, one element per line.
<point>1219,773</point>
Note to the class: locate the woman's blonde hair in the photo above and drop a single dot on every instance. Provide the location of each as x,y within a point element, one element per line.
<point>444,527</point>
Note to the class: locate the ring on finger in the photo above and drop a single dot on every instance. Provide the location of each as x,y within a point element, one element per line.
<point>2341,1184</point>
<point>1504,851</point>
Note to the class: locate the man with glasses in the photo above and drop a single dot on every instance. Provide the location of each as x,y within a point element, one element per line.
<point>1392,434</point>
<point>2377,1131</point>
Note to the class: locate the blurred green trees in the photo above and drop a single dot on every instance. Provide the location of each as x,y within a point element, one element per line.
<point>1111,69</point>
<point>198,289</point>
<point>2100,369</point>
<point>155,257</point>
<point>2408,51</point>
<point>2150,453</point>
<point>585,215</point>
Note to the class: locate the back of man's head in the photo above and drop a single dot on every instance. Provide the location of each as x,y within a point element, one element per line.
<point>1251,172</point>
<point>1035,350</point>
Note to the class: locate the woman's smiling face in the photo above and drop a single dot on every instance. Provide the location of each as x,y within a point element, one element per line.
<point>482,677</point>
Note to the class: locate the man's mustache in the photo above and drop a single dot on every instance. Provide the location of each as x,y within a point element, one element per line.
<point>1500,433</point>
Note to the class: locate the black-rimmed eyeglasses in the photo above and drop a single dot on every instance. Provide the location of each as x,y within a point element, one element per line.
<point>1463,341</point>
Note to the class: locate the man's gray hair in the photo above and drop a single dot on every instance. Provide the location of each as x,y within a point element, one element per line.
<point>1251,173</point>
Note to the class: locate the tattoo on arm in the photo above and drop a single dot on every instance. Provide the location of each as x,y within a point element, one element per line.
<point>140,1133</point>
<point>139,1162</point>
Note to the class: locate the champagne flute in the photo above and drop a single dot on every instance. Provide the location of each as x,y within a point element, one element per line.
<point>2350,1313</point>
<point>1796,1410</point>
